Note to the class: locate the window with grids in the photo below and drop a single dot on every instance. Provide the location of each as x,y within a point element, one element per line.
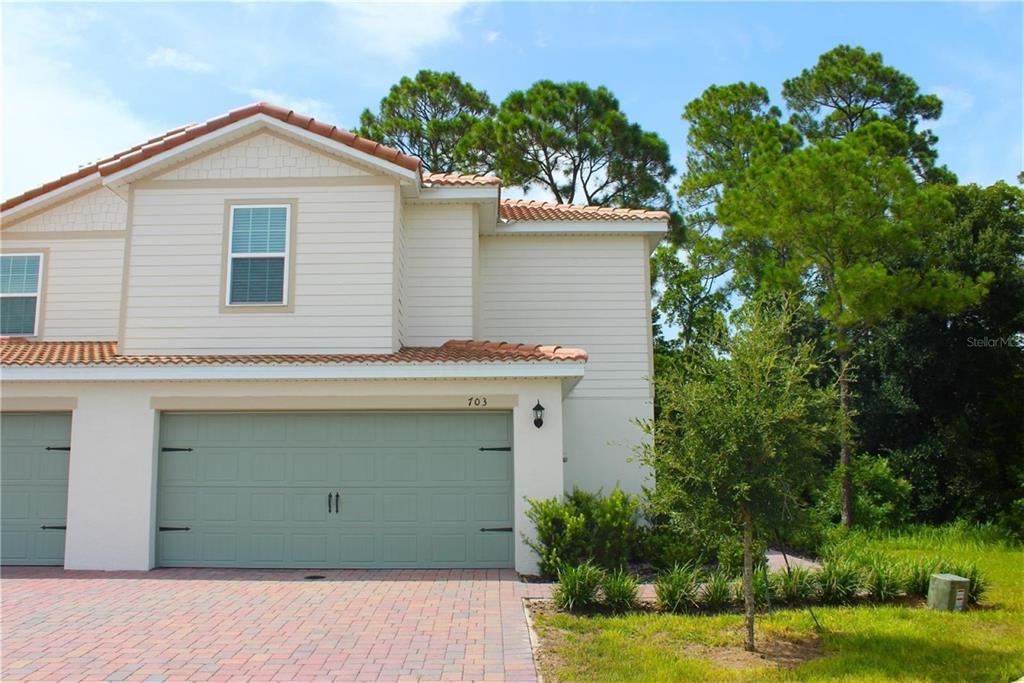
<point>19,293</point>
<point>258,263</point>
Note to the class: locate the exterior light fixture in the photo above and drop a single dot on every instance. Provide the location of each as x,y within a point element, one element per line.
<point>538,415</point>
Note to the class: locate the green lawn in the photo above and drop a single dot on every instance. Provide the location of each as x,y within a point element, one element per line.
<point>861,643</point>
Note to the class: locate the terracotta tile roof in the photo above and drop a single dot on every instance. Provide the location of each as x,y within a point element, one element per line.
<point>16,351</point>
<point>460,179</point>
<point>531,210</point>
<point>179,136</point>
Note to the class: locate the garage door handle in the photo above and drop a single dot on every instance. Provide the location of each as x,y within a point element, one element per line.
<point>174,528</point>
<point>167,449</point>
<point>58,448</point>
<point>497,528</point>
<point>498,448</point>
<point>328,502</point>
<point>52,527</point>
<point>337,502</point>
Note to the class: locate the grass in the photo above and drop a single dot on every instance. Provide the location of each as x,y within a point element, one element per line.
<point>862,643</point>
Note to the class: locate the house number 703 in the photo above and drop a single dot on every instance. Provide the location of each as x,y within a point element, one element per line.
<point>477,401</point>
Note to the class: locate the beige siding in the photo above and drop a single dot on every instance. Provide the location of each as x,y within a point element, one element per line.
<point>96,210</point>
<point>438,274</point>
<point>589,292</point>
<point>343,274</point>
<point>263,156</point>
<point>81,286</point>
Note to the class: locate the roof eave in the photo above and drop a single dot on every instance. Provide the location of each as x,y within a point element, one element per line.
<point>564,369</point>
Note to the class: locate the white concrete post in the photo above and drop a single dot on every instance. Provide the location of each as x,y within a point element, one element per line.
<point>538,461</point>
<point>111,480</point>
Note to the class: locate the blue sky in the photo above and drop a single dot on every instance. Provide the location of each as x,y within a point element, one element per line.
<point>84,80</point>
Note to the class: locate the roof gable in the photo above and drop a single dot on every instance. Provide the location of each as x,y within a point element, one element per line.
<point>182,136</point>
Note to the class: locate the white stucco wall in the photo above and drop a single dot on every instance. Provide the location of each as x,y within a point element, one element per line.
<point>112,481</point>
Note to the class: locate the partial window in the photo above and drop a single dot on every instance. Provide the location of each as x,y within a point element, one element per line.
<point>258,263</point>
<point>19,293</point>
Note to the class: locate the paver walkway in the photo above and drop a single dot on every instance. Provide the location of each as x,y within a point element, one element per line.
<point>262,625</point>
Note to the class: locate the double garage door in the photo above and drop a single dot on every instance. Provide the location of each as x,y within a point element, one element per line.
<point>335,490</point>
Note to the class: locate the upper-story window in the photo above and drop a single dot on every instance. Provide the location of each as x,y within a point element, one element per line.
<point>258,262</point>
<point>20,276</point>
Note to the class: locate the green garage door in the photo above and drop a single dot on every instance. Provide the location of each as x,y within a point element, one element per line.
<point>335,490</point>
<point>34,449</point>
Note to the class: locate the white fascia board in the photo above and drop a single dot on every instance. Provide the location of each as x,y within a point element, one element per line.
<point>457,194</point>
<point>603,227</point>
<point>260,121</point>
<point>51,197</point>
<point>369,371</point>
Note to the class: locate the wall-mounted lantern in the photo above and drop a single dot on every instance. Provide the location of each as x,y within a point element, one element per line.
<point>538,415</point>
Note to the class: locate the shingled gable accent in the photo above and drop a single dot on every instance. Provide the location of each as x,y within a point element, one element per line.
<point>19,352</point>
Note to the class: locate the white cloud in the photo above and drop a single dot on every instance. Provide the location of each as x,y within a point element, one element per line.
<point>168,56</point>
<point>55,118</point>
<point>492,36</point>
<point>956,103</point>
<point>307,106</point>
<point>397,32</point>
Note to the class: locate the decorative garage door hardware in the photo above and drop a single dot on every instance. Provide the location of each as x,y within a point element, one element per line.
<point>58,448</point>
<point>168,449</point>
<point>507,449</point>
<point>45,526</point>
<point>337,502</point>
<point>175,528</point>
<point>497,528</point>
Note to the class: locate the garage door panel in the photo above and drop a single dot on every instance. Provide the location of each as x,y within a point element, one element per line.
<point>492,467</point>
<point>179,467</point>
<point>358,507</point>
<point>448,507</point>
<point>414,490</point>
<point>33,487</point>
<point>492,507</point>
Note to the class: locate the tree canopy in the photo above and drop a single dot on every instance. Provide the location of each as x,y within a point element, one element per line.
<point>738,445</point>
<point>429,116</point>
<point>849,88</point>
<point>575,141</point>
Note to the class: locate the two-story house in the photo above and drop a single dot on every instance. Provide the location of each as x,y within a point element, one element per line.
<point>262,341</point>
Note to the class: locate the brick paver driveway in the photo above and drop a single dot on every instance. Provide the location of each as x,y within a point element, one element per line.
<point>259,625</point>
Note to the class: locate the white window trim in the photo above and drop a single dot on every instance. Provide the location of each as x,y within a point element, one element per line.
<point>285,294</point>
<point>38,294</point>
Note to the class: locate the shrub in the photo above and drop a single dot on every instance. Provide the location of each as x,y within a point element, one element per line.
<point>561,535</point>
<point>577,589</point>
<point>612,522</point>
<point>885,579</point>
<point>840,581</point>
<point>716,594</point>
<point>665,547</point>
<point>620,591</point>
<point>584,527</point>
<point>796,586</point>
<point>880,496</point>
<point>677,589</point>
